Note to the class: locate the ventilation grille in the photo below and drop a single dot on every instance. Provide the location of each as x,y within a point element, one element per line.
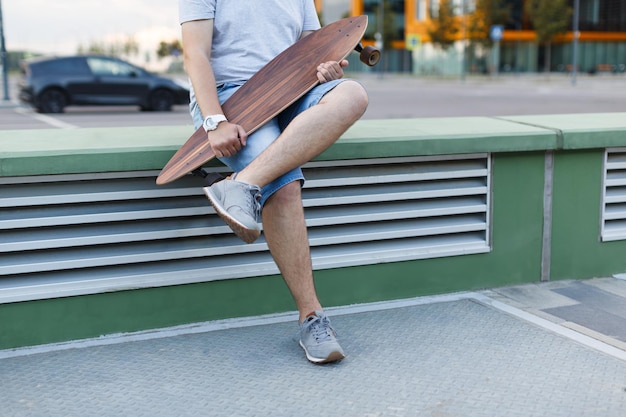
<point>614,198</point>
<point>80,234</point>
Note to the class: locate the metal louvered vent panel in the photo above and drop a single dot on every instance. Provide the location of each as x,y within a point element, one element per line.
<point>614,196</point>
<point>397,205</point>
<point>79,234</point>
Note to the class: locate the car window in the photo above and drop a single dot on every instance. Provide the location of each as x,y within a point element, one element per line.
<point>61,67</point>
<point>109,67</point>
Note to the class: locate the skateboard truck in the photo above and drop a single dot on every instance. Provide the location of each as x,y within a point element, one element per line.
<point>209,178</point>
<point>368,55</point>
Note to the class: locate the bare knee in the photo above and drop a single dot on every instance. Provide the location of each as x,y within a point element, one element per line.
<point>357,92</point>
<point>286,195</point>
<point>353,96</point>
<point>357,96</point>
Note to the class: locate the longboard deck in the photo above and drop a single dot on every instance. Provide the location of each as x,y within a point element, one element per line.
<point>271,90</point>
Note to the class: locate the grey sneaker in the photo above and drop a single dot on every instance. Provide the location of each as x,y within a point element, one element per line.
<point>318,339</point>
<point>238,204</point>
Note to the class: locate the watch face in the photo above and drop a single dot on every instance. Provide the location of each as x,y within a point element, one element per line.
<point>211,122</point>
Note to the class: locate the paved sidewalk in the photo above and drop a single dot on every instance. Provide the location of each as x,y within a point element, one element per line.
<point>532,350</point>
<point>4,104</point>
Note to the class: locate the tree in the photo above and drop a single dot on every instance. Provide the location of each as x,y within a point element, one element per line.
<point>124,47</point>
<point>130,46</point>
<point>389,29</point>
<point>445,27</point>
<point>93,48</point>
<point>169,48</point>
<point>487,14</point>
<point>549,18</point>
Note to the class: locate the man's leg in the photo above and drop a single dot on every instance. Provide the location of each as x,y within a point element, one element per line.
<point>309,134</point>
<point>286,235</point>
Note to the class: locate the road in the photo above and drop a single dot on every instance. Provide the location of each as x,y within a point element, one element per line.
<point>391,97</point>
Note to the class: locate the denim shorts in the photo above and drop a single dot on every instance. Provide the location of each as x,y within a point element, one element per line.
<point>265,135</point>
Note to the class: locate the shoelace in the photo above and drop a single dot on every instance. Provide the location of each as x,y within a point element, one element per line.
<point>319,327</point>
<point>253,198</point>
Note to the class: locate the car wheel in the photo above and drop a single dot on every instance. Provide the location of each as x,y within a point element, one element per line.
<point>52,101</point>
<point>161,100</point>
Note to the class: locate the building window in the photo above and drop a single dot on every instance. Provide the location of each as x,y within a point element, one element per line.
<point>434,9</point>
<point>603,15</point>
<point>420,10</point>
<point>593,11</point>
<point>457,6</point>
<point>394,18</point>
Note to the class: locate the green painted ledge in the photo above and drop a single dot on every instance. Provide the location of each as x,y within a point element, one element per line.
<point>88,150</point>
<point>581,131</point>
<point>438,136</point>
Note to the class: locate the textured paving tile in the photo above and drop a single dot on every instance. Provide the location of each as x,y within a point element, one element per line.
<point>595,309</point>
<point>595,298</point>
<point>444,359</point>
<point>592,318</point>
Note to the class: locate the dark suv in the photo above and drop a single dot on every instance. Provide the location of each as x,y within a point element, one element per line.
<point>51,84</point>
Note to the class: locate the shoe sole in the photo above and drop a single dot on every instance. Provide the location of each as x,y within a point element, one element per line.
<point>245,234</point>
<point>334,356</point>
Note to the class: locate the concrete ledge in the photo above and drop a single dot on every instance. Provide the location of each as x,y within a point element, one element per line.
<point>581,131</point>
<point>54,151</point>
<point>68,151</point>
<point>439,136</point>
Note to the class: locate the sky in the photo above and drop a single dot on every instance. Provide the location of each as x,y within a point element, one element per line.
<point>60,26</point>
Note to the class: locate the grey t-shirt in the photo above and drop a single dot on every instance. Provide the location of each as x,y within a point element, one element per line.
<point>247,34</point>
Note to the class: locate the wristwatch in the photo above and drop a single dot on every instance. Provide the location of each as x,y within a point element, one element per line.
<point>210,122</point>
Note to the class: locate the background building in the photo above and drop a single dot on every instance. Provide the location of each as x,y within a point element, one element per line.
<point>409,48</point>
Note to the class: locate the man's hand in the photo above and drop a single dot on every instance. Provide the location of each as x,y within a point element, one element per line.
<point>227,139</point>
<point>331,70</point>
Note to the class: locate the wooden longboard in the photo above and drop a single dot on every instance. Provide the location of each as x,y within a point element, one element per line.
<point>277,85</point>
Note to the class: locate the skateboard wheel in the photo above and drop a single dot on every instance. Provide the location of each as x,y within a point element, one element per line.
<point>370,56</point>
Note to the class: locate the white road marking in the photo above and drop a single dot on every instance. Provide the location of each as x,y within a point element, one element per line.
<point>45,119</point>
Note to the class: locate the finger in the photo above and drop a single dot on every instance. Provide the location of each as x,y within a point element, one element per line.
<point>213,147</point>
<point>243,136</point>
<point>321,69</point>
<point>323,73</point>
<point>331,70</point>
<point>234,144</point>
<point>334,66</point>
<point>228,152</point>
<point>337,71</point>
<point>217,150</point>
<point>222,152</point>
